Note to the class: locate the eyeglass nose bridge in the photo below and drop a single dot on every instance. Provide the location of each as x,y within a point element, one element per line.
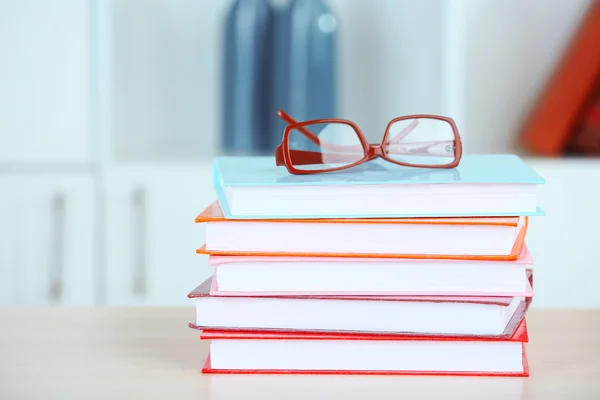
<point>374,151</point>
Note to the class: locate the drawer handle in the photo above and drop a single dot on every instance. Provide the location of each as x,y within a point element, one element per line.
<point>57,246</point>
<point>139,241</point>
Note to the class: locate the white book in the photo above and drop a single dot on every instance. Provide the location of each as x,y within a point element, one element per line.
<point>264,276</point>
<point>417,314</point>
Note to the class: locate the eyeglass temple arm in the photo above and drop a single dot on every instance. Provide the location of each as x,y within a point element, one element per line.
<point>402,134</point>
<point>311,136</point>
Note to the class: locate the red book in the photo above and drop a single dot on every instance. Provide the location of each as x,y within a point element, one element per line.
<point>563,100</point>
<point>266,352</point>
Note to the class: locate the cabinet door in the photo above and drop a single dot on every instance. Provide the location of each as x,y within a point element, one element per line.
<point>564,242</point>
<point>44,96</point>
<point>47,239</point>
<point>151,233</point>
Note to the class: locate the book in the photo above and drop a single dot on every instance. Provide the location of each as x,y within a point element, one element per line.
<point>585,138</point>
<point>481,185</point>
<point>315,353</point>
<point>554,119</point>
<point>266,276</point>
<point>440,315</point>
<point>491,238</point>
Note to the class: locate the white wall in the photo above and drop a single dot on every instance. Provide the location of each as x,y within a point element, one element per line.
<point>390,59</point>
<point>155,81</point>
<point>481,61</point>
<point>158,73</point>
<point>156,70</point>
<point>44,81</point>
<point>510,48</point>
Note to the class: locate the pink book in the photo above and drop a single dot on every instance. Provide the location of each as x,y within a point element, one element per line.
<point>419,315</point>
<point>281,276</point>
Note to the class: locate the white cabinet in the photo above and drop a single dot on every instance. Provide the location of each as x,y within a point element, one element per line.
<point>151,234</point>
<point>45,73</point>
<point>47,239</point>
<point>564,242</point>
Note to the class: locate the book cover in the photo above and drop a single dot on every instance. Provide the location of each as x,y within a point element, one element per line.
<point>473,169</point>
<point>523,258</point>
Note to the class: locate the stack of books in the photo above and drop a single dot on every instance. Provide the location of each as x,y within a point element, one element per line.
<point>380,269</point>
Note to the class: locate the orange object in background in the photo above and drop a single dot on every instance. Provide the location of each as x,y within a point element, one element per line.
<point>563,101</point>
<point>585,139</point>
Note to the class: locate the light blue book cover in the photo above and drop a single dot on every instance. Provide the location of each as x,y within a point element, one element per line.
<point>232,171</point>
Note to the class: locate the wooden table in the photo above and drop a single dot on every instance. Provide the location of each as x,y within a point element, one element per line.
<point>143,353</point>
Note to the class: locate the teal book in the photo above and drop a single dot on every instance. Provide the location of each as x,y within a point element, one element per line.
<point>481,185</point>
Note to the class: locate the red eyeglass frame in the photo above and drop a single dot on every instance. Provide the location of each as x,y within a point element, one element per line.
<point>283,153</point>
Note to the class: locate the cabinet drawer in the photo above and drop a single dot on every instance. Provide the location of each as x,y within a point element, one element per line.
<point>151,234</point>
<point>47,240</point>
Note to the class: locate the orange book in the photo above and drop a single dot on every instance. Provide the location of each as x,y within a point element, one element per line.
<point>466,238</point>
<point>562,102</point>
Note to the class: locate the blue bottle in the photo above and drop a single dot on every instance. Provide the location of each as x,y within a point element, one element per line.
<point>247,70</point>
<point>304,74</point>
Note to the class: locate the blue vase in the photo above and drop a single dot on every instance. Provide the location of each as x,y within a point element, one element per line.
<point>304,69</point>
<point>247,70</point>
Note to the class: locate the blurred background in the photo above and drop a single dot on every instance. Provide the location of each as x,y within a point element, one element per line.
<point>111,111</point>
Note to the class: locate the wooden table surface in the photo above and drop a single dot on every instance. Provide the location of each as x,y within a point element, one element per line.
<point>142,353</point>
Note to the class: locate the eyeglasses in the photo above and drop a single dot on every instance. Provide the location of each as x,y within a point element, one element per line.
<point>327,145</point>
